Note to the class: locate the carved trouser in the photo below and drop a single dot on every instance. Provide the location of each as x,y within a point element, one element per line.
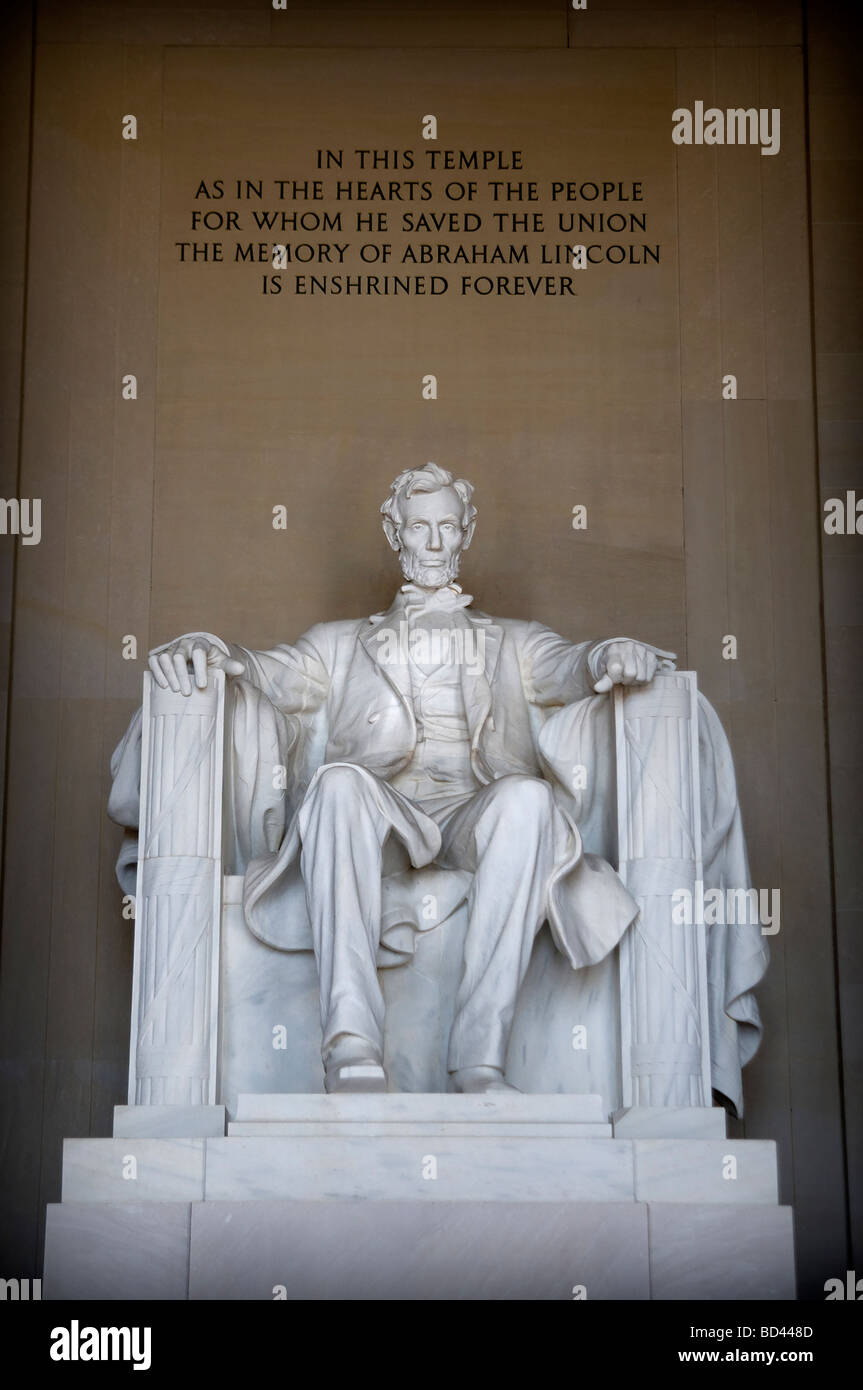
<point>507,833</point>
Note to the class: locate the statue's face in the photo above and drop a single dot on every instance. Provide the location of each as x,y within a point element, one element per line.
<point>431,537</point>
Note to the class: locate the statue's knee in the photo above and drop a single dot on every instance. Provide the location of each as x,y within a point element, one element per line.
<point>340,781</point>
<point>528,797</point>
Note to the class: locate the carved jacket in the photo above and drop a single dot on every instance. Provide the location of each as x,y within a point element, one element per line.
<point>341,671</point>
<point>345,700</point>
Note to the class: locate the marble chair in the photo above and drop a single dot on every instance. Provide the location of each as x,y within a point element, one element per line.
<point>216,1012</point>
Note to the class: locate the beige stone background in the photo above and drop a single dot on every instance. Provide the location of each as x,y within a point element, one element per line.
<point>703,514</point>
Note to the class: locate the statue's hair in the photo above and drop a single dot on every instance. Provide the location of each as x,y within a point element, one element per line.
<point>431,478</point>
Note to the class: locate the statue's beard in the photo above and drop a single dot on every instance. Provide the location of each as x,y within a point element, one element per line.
<point>425,575</point>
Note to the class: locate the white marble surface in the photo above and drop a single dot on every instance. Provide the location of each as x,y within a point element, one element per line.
<point>554,999</point>
<point>167,1170</point>
<point>414,1250</point>
<point>721,1252</point>
<point>178,894</point>
<point>261,990</point>
<point>262,987</point>
<point>124,1250</point>
<point>664,1023</point>
<point>429,1108</point>
<point>169,1121</point>
<point>691,1170</point>
<point>468,1169</point>
<point>670,1122</point>
<point>411,1249</point>
<point>371,1129</point>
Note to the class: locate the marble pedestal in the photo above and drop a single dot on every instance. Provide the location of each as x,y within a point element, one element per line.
<point>417,1197</point>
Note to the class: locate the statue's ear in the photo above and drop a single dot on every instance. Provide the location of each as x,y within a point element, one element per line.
<point>468,535</point>
<point>391,533</point>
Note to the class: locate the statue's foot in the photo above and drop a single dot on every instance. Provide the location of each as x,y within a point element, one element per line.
<point>471,1080</point>
<point>351,1066</point>
<point>355,1076</point>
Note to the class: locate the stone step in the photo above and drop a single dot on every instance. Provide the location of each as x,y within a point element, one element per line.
<point>717,1171</point>
<point>669,1122</point>
<point>411,1250</point>
<point>169,1121</point>
<point>429,1167</point>
<point>133,1169</point>
<point>371,1129</point>
<point>434,1168</point>
<point>403,1106</point>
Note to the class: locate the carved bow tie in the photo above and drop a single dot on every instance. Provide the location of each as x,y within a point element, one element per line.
<point>446,599</point>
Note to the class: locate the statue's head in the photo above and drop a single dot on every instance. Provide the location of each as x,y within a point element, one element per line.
<point>429,520</point>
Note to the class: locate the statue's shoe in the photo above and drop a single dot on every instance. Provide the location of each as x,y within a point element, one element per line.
<point>364,1075</point>
<point>476,1080</point>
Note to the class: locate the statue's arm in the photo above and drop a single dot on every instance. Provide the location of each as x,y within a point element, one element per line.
<point>295,678</point>
<point>558,672</point>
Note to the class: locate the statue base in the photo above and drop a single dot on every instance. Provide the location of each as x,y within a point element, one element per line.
<point>496,1196</point>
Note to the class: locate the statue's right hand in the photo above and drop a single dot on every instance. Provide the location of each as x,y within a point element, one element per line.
<point>171,665</point>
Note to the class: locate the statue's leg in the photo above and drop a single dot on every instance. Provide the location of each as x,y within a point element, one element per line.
<point>343,830</point>
<point>505,834</point>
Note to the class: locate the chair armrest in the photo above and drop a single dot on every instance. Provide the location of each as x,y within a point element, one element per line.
<point>665,1036</point>
<point>173,1053</point>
